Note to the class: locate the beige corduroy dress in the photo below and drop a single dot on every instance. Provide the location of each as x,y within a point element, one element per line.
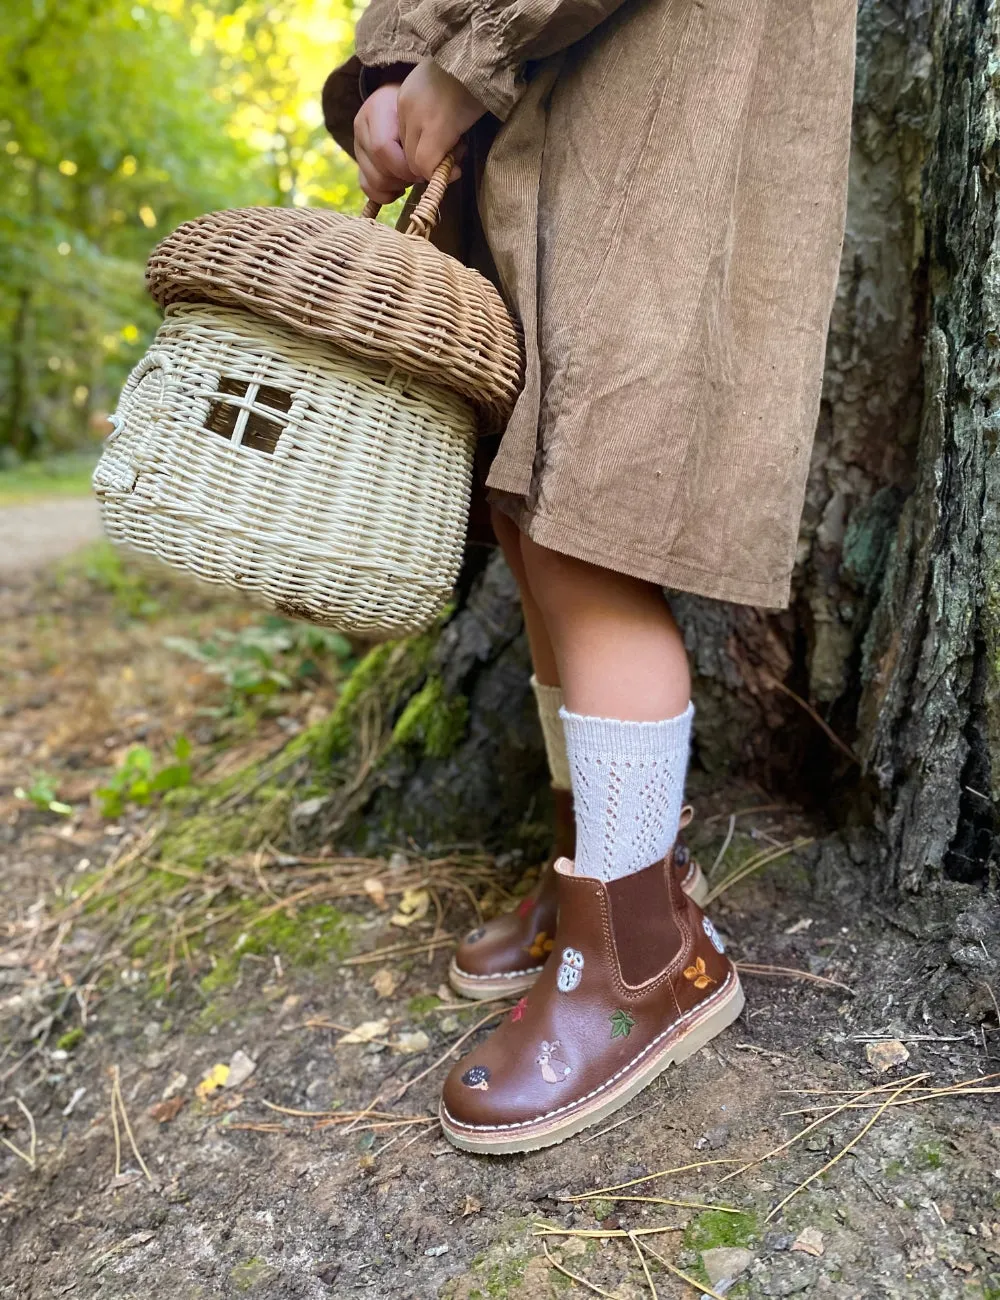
<point>662,189</point>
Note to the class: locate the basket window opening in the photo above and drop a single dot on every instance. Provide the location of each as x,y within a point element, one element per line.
<point>237,414</point>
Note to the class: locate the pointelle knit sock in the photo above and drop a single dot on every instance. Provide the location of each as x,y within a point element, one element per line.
<point>628,789</point>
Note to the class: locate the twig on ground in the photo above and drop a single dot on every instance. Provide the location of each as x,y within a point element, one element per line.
<point>809,1128</point>
<point>755,863</point>
<point>824,726</point>
<point>116,1094</point>
<point>642,1261</point>
<point>29,1156</point>
<point>398,950</point>
<point>725,846</point>
<point>634,1182</point>
<point>446,1054</point>
<point>666,1200</point>
<point>553,1230</point>
<point>591,1286</point>
<point>840,1154</point>
<point>592,1137</point>
<point>701,1288</point>
<point>791,972</point>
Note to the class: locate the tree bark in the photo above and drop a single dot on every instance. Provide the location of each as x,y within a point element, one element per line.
<point>881,682</point>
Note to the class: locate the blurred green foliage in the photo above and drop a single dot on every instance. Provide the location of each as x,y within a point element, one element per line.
<point>118,121</point>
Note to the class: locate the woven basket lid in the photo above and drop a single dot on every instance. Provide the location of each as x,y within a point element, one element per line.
<point>369,289</point>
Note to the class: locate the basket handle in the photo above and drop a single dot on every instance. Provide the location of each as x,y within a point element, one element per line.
<point>424,216</point>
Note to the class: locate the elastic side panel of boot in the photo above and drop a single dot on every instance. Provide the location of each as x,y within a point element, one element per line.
<point>643,923</point>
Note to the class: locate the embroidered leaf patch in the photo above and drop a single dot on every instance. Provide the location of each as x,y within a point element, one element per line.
<point>622,1024</point>
<point>698,974</point>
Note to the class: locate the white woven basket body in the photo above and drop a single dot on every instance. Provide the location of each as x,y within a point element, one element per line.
<point>334,489</point>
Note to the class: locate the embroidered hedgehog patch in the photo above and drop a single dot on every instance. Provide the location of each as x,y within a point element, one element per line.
<point>570,970</point>
<point>713,934</point>
<point>477,1077</point>
<point>475,935</point>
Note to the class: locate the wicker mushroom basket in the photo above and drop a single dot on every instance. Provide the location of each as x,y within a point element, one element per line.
<point>303,425</point>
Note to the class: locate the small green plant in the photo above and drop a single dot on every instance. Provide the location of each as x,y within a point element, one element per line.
<point>103,566</point>
<point>138,779</point>
<point>71,1039</point>
<point>43,793</point>
<point>265,658</point>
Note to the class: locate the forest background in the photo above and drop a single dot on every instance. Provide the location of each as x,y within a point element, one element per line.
<point>165,111</point>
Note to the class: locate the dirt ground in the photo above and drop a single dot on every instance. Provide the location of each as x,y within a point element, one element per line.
<point>293,1180</point>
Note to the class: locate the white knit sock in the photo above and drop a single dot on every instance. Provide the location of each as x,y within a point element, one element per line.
<point>628,788</point>
<point>549,700</point>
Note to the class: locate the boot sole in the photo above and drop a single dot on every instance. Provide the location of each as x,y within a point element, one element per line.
<point>542,1133</point>
<point>481,987</point>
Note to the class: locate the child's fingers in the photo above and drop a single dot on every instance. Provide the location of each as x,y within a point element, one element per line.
<point>374,183</point>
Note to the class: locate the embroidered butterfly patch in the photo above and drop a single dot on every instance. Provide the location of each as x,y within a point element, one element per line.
<point>698,975</point>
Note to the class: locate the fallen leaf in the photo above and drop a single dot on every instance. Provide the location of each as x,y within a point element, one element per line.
<point>472,1206</point>
<point>809,1241</point>
<point>886,1055</point>
<point>413,906</point>
<point>445,993</point>
<point>385,982</point>
<point>367,1032</point>
<point>415,1041</point>
<point>213,1080</point>
<point>375,890</point>
<point>164,1111</point>
<point>241,1067</point>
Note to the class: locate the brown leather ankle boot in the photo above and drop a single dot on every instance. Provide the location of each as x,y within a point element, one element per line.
<point>638,980</point>
<point>506,955</point>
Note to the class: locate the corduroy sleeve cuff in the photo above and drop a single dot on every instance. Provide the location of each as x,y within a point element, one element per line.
<point>471,52</point>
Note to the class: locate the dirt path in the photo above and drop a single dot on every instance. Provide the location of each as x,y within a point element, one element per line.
<point>285,1186</point>
<point>34,534</point>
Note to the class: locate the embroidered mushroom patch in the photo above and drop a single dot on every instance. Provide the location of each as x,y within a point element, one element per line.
<point>554,1068</point>
<point>570,970</point>
<point>477,1077</point>
<point>622,1024</point>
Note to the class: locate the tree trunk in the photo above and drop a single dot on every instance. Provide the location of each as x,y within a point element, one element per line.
<point>881,681</point>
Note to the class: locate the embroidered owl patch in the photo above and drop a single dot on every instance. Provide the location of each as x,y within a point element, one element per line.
<point>712,934</point>
<point>570,970</point>
<point>554,1068</point>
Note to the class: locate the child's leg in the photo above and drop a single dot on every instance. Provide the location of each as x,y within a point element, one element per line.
<point>545,682</point>
<point>627,720</point>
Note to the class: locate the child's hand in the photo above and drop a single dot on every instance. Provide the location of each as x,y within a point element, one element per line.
<point>435,110</point>
<point>382,165</point>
